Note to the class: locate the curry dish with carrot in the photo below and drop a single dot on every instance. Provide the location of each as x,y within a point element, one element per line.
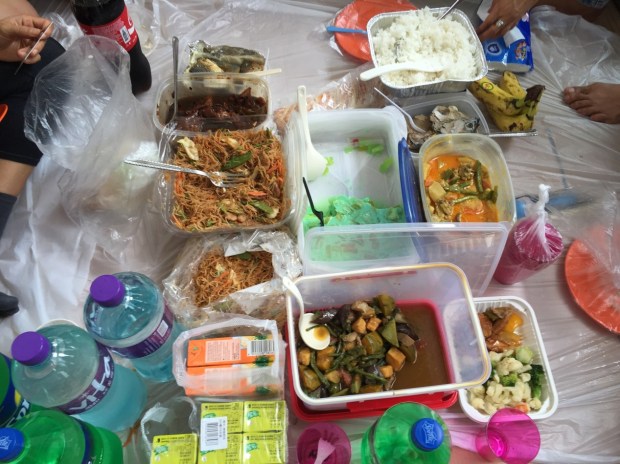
<point>459,189</point>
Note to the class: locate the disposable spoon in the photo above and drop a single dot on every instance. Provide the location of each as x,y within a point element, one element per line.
<point>315,162</point>
<point>422,66</point>
<point>305,320</point>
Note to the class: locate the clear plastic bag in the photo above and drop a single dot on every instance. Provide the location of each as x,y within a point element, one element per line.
<point>264,301</point>
<point>240,381</point>
<point>78,114</point>
<point>532,245</point>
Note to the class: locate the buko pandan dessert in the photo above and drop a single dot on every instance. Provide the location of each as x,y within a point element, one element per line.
<point>346,211</point>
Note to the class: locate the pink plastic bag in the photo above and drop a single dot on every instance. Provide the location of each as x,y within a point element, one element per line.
<point>532,245</point>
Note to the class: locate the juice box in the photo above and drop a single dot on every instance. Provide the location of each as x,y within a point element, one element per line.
<point>264,416</point>
<point>233,454</point>
<point>264,448</point>
<point>231,350</point>
<point>233,412</point>
<point>236,380</point>
<point>175,449</point>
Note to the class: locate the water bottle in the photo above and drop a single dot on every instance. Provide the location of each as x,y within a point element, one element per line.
<point>61,366</point>
<point>51,437</point>
<point>407,433</point>
<point>127,313</point>
<point>110,18</point>
<point>13,406</point>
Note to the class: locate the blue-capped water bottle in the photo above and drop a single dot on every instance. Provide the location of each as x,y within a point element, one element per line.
<point>127,313</point>
<point>407,433</point>
<point>61,366</point>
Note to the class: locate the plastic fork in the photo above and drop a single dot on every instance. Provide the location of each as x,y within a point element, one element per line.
<point>407,116</point>
<point>217,178</point>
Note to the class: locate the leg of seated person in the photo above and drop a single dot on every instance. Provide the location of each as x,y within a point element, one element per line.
<point>599,101</point>
<point>8,304</point>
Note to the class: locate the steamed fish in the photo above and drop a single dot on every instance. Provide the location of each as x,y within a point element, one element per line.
<point>442,120</point>
<point>223,58</point>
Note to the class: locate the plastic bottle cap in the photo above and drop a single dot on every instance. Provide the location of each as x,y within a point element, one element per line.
<point>11,444</point>
<point>30,348</point>
<point>107,290</point>
<point>427,434</point>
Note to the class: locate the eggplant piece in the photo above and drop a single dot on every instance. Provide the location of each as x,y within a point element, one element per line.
<point>410,352</point>
<point>345,315</point>
<point>323,317</point>
<point>372,342</point>
<point>373,370</point>
<point>320,392</point>
<point>405,328</point>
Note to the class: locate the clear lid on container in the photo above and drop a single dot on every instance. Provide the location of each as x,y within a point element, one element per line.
<point>473,247</point>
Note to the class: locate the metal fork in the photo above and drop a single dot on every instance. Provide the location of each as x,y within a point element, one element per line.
<point>217,178</point>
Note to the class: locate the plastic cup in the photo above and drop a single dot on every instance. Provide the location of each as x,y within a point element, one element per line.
<point>308,443</point>
<point>510,435</point>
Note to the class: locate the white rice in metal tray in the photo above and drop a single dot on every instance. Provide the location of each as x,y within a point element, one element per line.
<point>421,35</point>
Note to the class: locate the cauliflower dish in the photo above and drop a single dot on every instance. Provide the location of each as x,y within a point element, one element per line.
<point>516,380</point>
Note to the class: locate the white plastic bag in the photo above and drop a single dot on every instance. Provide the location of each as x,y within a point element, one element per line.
<point>82,114</point>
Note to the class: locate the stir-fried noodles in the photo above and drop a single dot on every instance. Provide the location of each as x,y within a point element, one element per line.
<point>217,276</point>
<point>259,200</point>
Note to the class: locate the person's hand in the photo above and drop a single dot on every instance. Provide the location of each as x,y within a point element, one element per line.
<point>503,16</point>
<point>18,34</point>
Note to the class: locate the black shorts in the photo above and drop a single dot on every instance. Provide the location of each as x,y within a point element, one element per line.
<point>14,91</point>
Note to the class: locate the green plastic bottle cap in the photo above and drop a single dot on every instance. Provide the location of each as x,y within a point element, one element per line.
<point>427,434</point>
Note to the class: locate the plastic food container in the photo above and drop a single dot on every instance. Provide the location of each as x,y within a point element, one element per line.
<point>532,339</point>
<point>218,85</point>
<point>382,21</point>
<point>353,171</point>
<point>292,188</point>
<point>463,101</point>
<point>442,284</point>
<point>474,247</point>
<point>479,147</point>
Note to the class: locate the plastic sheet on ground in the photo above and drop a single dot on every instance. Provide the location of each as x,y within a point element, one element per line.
<point>48,262</point>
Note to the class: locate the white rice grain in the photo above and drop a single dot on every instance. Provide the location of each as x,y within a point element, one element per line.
<point>420,36</point>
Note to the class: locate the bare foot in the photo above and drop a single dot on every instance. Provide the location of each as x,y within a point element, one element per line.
<point>599,102</point>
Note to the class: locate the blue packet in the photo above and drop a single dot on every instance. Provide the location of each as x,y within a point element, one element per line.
<point>512,51</point>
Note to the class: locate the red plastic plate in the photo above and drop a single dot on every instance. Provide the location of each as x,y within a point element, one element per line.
<point>592,286</point>
<point>356,16</point>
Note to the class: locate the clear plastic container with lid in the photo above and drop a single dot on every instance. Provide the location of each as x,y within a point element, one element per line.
<point>127,313</point>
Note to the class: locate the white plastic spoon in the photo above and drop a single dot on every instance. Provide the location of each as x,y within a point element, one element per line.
<point>305,320</point>
<point>422,66</point>
<point>315,162</point>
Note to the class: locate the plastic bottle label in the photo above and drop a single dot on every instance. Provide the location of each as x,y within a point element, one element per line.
<point>89,457</point>
<point>98,388</point>
<point>153,342</point>
<point>122,30</point>
<point>12,407</point>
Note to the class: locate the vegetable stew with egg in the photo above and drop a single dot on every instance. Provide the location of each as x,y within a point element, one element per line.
<point>374,346</point>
